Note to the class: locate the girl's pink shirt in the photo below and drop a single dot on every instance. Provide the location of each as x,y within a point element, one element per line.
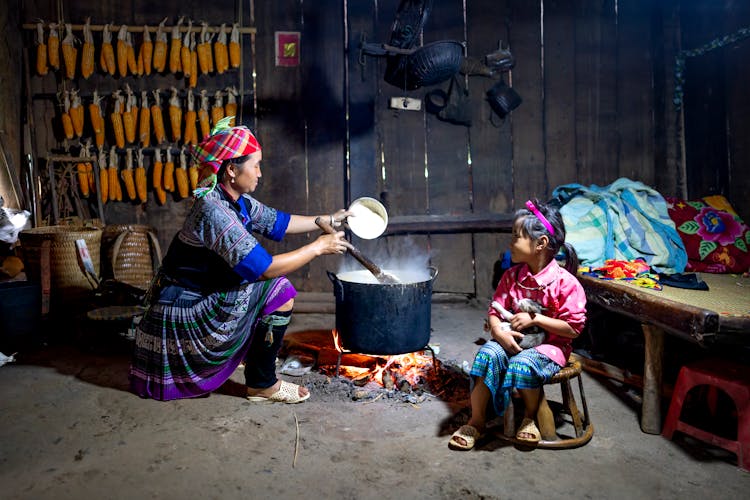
<point>563,298</point>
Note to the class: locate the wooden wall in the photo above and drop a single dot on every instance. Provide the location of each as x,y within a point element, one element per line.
<point>596,79</point>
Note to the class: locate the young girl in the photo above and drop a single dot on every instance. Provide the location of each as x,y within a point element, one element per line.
<point>501,365</point>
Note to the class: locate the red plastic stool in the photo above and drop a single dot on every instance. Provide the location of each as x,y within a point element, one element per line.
<point>729,377</point>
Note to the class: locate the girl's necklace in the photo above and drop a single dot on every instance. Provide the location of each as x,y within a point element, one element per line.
<point>535,288</point>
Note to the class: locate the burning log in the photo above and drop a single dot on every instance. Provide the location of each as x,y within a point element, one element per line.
<point>388,380</point>
<point>401,383</point>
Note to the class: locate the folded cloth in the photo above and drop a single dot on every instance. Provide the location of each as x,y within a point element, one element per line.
<point>636,272</point>
<point>683,280</point>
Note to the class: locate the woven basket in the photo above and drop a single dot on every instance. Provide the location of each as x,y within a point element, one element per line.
<point>130,253</point>
<point>69,281</point>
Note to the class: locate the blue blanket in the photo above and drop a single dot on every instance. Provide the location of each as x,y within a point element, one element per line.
<point>625,220</point>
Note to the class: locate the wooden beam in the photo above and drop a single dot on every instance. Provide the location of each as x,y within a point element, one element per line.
<point>435,224</point>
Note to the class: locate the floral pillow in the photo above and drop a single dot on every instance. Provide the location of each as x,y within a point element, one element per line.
<point>715,237</point>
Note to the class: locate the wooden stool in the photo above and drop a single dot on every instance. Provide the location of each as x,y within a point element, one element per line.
<point>726,376</point>
<point>582,426</point>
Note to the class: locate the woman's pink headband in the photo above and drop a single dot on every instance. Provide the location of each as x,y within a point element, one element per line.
<point>540,216</point>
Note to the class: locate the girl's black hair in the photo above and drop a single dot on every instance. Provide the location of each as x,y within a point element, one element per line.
<point>234,161</point>
<point>533,227</point>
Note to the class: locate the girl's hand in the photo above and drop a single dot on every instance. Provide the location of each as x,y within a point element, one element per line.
<point>508,339</point>
<point>521,321</point>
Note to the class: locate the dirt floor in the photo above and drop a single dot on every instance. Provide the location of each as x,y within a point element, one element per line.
<point>70,429</point>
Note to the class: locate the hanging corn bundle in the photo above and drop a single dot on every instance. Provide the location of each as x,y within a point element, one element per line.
<point>217,112</point>
<point>115,190</point>
<point>41,50</point>
<point>130,115</point>
<point>82,173</point>
<point>160,48</point>
<point>174,49</point>
<point>203,116</point>
<point>168,182</point>
<point>76,113</point>
<point>144,124</point>
<point>67,123</point>
<point>53,47</point>
<point>87,51</point>
<point>157,120</point>
<point>90,168</point>
<point>185,52</point>
<point>97,119</point>
<point>107,54</point>
<point>205,58</point>
<point>70,53</point>
<point>235,54</point>
<point>116,118</point>
<point>122,51</point>
<point>175,116</point>
<point>230,108</point>
<point>103,176</point>
<point>221,55</point>
<point>145,52</point>
<point>140,178</point>
<point>127,175</point>
<point>191,132</point>
<point>193,175</point>
<point>156,178</point>
<point>181,176</point>
<point>193,80</point>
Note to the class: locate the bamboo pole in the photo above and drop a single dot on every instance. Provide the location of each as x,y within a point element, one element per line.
<point>152,29</point>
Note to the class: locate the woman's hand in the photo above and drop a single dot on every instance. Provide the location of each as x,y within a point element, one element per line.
<point>335,243</point>
<point>338,218</point>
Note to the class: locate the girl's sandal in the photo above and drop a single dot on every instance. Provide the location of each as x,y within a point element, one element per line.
<point>469,434</point>
<point>529,428</point>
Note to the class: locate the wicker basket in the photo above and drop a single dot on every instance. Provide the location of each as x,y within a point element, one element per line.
<point>69,282</point>
<point>130,253</point>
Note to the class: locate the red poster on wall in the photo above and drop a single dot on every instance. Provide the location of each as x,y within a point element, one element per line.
<point>287,48</point>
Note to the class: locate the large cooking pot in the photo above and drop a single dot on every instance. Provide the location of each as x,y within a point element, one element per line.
<point>376,318</point>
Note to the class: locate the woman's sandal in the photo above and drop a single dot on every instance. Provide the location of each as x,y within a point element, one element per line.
<point>470,436</point>
<point>528,427</point>
<point>287,393</point>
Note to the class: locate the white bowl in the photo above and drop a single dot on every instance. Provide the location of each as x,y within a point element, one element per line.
<point>369,218</point>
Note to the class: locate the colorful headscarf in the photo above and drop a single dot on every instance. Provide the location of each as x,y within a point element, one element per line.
<point>224,143</point>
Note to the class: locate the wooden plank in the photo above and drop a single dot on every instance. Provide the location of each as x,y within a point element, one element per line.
<point>596,133</point>
<point>529,177</point>
<point>448,183</point>
<point>559,93</point>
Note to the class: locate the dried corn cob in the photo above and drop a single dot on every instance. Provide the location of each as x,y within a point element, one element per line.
<point>83,178</point>
<point>181,176</point>
<point>70,53</point>
<point>130,51</point>
<point>116,119</point>
<point>97,119</point>
<point>191,132</point>
<point>175,116</point>
<point>156,176</point>
<point>107,55</point>
<point>65,119</point>
<point>122,51</point>
<point>146,52</point>
<point>140,178</point>
<point>76,113</point>
<point>221,56</point>
<point>203,116</point>
<point>89,168</point>
<point>168,181</point>
<point>205,58</point>
<point>129,115</point>
<point>193,176</point>
<point>127,175</point>
<point>217,112</point>
<point>185,52</point>
<point>87,51</point>
<point>174,49</point>
<point>103,176</point>
<point>53,47</point>
<point>235,54</point>
<point>41,50</point>
<point>144,128</point>
<point>157,119</point>
<point>230,108</point>
<point>160,48</point>
<point>193,80</point>
<point>115,193</point>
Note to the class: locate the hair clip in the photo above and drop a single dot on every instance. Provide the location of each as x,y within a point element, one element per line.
<point>540,216</point>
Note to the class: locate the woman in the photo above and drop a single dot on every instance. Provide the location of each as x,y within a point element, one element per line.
<point>219,297</point>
